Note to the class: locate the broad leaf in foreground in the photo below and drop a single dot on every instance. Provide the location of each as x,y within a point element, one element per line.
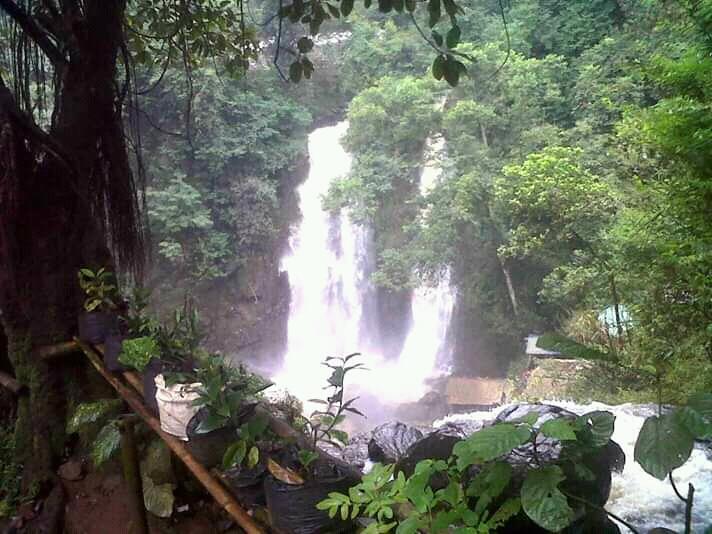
<point>542,500</point>
<point>664,443</point>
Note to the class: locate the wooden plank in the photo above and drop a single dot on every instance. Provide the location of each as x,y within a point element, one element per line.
<point>219,493</point>
<point>47,352</point>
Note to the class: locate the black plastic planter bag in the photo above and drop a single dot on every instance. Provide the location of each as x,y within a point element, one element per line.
<point>150,372</point>
<point>112,349</point>
<point>94,327</point>
<point>293,510</point>
<point>208,448</point>
<point>247,484</point>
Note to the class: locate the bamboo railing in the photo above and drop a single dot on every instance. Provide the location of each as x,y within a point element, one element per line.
<point>130,394</point>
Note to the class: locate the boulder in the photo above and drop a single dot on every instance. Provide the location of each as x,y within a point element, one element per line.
<point>356,452</point>
<point>435,446</point>
<point>71,470</point>
<point>391,441</point>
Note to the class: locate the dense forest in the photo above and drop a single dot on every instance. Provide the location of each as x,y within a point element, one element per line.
<point>166,141</point>
<point>575,175</point>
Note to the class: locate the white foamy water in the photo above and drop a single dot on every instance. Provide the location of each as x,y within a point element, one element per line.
<point>637,497</point>
<point>328,283</point>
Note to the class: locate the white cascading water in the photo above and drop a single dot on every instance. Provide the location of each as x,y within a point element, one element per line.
<point>327,281</point>
<point>328,284</point>
<point>637,497</point>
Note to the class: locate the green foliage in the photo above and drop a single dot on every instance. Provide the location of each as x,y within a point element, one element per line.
<point>158,479</point>
<point>137,352</point>
<point>665,442</point>
<point>138,322</point>
<point>206,29</point>
<point>179,338</point>
<point>98,428</point>
<point>10,472</point>
<point>475,504</point>
<point>91,413</point>
<point>100,289</point>
<point>543,501</point>
<point>245,448</point>
<point>552,201</point>
<point>322,424</point>
<point>568,347</point>
<point>106,444</point>
<point>158,498</point>
<point>225,391</point>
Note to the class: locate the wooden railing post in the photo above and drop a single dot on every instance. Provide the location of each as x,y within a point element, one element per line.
<point>132,475</point>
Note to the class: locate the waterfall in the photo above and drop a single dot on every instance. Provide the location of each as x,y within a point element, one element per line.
<point>326,267</point>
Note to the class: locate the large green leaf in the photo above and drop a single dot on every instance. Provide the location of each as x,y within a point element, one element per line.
<point>490,443</point>
<point>106,444</point>
<point>559,428</point>
<point>489,484</point>
<point>158,498</point>
<point>698,426</point>
<point>88,413</point>
<point>664,443</point>
<point>410,525</point>
<point>542,500</point>
<point>601,425</point>
<point>572,349</point>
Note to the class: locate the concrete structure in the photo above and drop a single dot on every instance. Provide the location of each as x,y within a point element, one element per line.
<point>467,394</point>
<point>533,350</point>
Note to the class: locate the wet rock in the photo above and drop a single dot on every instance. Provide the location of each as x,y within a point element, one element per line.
<point>71,470</point>
<point>544,411</point>
<point>615,456</point>
<point>436,446</point>
<point>463,428</point>
<point>390,442</point>
<point>356,452</point>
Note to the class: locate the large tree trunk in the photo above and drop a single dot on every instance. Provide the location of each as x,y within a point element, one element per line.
<point>51,227</point>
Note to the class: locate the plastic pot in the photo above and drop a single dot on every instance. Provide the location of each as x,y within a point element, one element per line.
<point>95,327</point>
<point>112,349</point>
<point>293,510</point>
<point>176,406</point>
<point>150,372</point>
<point>208,448</point>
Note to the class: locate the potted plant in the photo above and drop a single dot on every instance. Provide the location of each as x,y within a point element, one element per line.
<point>135,324</point>
<point>292,504</point>
<point>227,397</point>
<point>99,318</point>
<point>178,342</point>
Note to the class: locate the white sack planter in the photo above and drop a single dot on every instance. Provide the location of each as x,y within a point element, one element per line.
<point>175,406</point>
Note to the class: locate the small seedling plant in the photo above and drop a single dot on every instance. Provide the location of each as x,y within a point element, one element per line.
<point>322,424</point>
<point>100,289</point>
<point>245,450</point>
<point>138,322</point>
<point>477,504</point>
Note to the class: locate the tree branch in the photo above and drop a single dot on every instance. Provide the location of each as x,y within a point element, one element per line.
<point>33,30</point>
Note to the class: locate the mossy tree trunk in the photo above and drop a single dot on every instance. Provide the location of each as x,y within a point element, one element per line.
<point>52,223</point>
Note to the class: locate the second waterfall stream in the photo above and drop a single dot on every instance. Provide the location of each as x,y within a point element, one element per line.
<point>327,264</point>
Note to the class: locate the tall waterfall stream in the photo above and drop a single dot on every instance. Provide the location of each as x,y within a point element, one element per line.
<point>328,280</point>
